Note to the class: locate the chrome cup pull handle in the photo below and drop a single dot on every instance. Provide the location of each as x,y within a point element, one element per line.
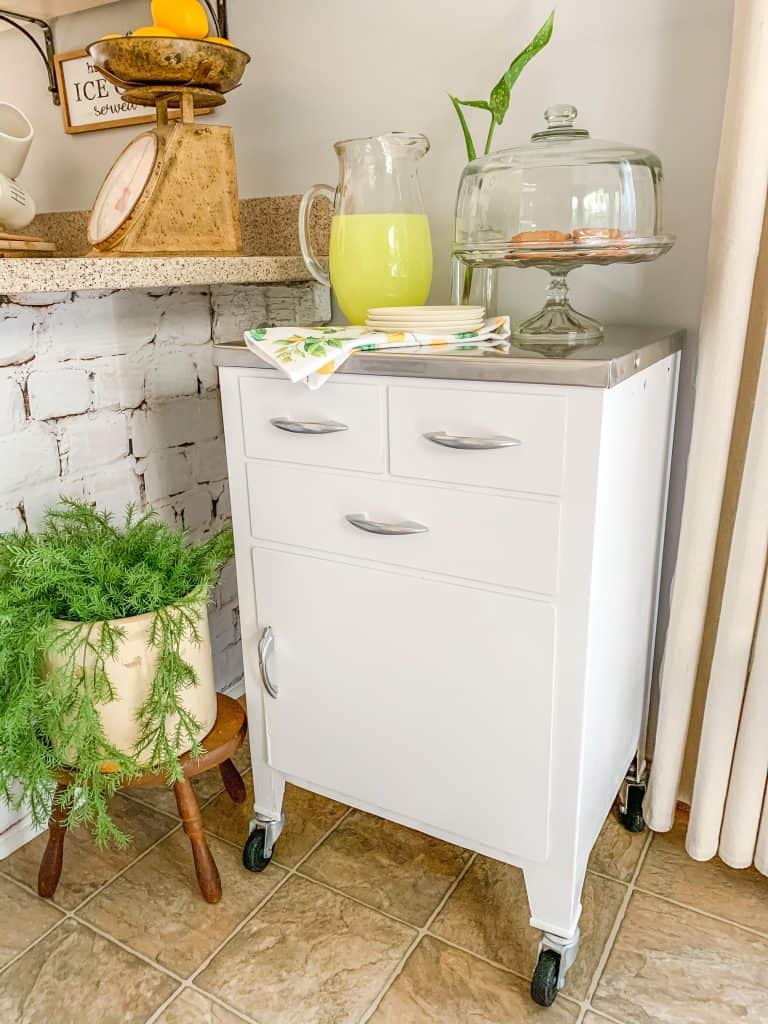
<point>385,529</point>
<point>266,644</point>
<point>475,444</point>
<point>308,426</point>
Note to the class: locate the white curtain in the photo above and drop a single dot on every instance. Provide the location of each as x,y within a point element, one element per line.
<point>714,682</point>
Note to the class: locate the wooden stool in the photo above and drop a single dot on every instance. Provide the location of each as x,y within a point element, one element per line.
<point>219,746</point>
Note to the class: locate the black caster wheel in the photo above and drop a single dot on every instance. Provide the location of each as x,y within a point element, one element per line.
<point>632,819</point>
<point>254,858</point>
<point>544,980</point>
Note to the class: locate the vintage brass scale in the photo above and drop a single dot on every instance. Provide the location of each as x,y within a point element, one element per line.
<point>173,190</point>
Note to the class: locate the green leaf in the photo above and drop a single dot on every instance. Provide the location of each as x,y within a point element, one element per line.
<point>499,99</point>
<point>480,104</point>
<point>468,141</point>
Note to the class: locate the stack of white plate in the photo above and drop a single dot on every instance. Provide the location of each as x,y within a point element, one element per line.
<point>426,319</point>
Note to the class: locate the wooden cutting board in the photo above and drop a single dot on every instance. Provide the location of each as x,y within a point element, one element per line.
<point>19,246</point>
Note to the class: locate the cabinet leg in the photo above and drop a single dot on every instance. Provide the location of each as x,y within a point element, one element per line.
<point>233,784</point>
<point>554,896</point>
<point>205,866</point>
<point>53,858</point>
<point>268,785</point>
<point>555,957</point>
<point>268,790</point>
<point>632,794</point>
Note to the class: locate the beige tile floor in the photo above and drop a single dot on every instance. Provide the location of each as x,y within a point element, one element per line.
<point>360,920</point>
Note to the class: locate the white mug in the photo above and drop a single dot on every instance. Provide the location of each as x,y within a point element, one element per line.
<point>16,134</point>
<point>17,207</point>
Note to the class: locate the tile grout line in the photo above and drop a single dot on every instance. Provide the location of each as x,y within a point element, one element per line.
<point>90,896</point>
<point>355,899</point>
<point>479,956</point>
<point>184,987</point>
<point>71,913</point>
<point>702,913</point>
<point>618,920</point>
<point>189,981</point>
<point>424,930</point>
<point>602,1016</point>
<point>129,794</point>
<point>612,878</point>
<point>165,1004</point>
<point>161,810</point>
<point>128,949</point>
<point>32,945</point>
<point>122,871</point>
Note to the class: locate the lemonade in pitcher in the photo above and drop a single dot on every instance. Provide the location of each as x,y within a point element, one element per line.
<point>380,249</point>
<point>380,259</point>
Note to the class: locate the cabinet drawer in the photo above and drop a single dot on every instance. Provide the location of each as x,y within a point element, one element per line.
<point>342,427</point>
<point>415,696</point>
<point>498,539</point>
<point>537,422</point>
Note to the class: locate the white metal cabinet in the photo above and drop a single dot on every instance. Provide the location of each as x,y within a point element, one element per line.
<point>484,681</point>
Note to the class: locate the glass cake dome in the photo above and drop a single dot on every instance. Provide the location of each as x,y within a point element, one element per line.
<point>561,201</point>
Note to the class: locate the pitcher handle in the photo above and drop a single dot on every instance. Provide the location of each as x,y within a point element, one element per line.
<point>316,269</point>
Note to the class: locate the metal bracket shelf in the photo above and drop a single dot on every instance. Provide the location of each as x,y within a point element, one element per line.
<point>47,51</point>
<point>13,19</point>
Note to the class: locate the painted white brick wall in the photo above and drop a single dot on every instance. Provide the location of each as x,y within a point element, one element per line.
<point>113,398</point>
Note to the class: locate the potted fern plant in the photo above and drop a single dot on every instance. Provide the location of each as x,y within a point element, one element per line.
<point>105,658</point>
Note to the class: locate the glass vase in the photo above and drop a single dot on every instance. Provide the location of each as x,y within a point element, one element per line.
<point>474,286</point>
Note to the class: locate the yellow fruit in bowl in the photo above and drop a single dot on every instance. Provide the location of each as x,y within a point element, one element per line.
<point>154,30</point>
<point>187,18</point>
<point>220,40</point>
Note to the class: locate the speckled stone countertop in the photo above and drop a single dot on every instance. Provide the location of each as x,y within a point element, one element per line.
<point>270,255</point>
<point>80,273</point>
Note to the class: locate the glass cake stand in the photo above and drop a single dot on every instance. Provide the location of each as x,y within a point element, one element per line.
<point>558,326</point>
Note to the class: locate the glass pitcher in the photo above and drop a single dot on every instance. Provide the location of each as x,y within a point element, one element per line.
<point>380,251</point>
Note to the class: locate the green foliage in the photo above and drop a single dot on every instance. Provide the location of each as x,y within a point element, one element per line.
<point>84,571</point>
<point>498,102</point>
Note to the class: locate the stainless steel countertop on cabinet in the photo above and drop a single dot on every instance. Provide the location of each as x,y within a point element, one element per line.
<point>623,352</point>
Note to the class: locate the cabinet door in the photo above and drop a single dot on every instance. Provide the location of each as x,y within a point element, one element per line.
<point>428,700</point>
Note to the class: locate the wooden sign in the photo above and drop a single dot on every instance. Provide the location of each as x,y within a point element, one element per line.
<point>90,103</point>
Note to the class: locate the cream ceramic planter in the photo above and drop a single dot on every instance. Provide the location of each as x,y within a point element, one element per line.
<point>131,674</point>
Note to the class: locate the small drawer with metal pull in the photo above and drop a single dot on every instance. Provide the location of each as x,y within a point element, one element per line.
<point>343,426</point>
<point>512,441</point>
<point>501,539</point>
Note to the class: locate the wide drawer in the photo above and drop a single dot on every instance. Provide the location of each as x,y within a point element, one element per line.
<point>342,427</point>
<point>525,435</point>
<point>499,539</point>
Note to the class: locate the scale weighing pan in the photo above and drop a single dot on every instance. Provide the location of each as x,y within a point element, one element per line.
<point>131,61</point>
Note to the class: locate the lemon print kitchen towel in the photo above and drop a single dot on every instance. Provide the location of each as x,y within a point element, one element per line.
<point>312,354</point>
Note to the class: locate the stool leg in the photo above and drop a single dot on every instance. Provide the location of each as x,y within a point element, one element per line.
<point>53,858</point>
<point>205,866</point>
<point>233,784</point>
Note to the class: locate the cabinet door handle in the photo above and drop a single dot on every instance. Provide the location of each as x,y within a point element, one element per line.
<point>266,643</point>
<point>385,529</point>
<point>475,444</point>
<point>308,426</point>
